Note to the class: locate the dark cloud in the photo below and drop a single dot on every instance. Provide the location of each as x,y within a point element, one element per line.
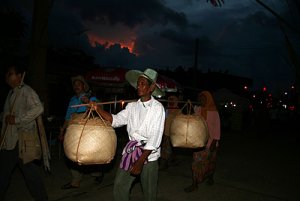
<point>261,19</point>
<point>66,29</point>
<point>253,46</point>
<point>131,13</point>
<point>107,55</point>
<point>240,37</point>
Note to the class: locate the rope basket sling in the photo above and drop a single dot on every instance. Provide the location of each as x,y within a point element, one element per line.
<point>90,140</point>
<point>188,130</point>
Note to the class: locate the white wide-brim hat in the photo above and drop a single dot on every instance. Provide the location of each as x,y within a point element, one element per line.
<point>132,77</point>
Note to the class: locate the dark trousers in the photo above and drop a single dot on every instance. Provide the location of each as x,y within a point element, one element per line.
<point>149,179</point>
<point>8,160</point>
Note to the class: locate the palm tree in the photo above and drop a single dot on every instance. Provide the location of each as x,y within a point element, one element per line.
<point>38,48</point>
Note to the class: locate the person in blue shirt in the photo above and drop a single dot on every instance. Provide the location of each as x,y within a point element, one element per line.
<point>82,96</point>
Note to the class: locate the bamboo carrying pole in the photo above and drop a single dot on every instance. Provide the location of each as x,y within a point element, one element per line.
<point>128,101</point>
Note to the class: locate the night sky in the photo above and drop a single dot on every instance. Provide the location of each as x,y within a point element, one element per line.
<point>240,37</point>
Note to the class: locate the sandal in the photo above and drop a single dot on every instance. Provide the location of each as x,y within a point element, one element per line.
<point>210,180</point>
<point>190,188</point>
<point>69,186</point>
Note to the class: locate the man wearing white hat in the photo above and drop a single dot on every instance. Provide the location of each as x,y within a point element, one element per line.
<point>145,124</point>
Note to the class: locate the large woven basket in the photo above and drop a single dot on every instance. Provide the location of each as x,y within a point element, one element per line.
<point>188,131</point>
<point>90,140</point>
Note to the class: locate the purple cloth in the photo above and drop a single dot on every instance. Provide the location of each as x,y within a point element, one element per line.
<point>132,153</point>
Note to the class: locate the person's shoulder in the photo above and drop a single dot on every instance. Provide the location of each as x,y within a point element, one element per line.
<point>156,103</point>
<point>132,104</point>
<point>94,98</point>
<point>213,113</point>
<point>27,89</point>
<point>73,98</point>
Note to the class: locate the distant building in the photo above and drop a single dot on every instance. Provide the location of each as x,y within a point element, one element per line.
<point>213,81</point>
<point>216,80</point>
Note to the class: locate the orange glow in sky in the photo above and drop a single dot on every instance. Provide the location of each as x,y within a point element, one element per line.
<point>93,39</point>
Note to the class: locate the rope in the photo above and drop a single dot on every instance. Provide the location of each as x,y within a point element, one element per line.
<point>77,148</point>
<point>87,117</point>
<point>189,106</point>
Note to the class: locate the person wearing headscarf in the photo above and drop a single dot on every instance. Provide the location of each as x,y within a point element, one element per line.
<point>204,160</point>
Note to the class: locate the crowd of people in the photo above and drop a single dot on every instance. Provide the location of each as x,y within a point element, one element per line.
<point>147,122</point>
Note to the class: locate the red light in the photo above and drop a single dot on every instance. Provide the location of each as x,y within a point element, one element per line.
<point>264,88</point>
<point>251,108</point>
<point>292,107</point>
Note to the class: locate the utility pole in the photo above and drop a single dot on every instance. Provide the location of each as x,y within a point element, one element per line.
<point>195,69</point>
<point>38,49</point>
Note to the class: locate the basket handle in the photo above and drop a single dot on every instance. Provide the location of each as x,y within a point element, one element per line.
<point>189,105</point>
<point>89,114</point>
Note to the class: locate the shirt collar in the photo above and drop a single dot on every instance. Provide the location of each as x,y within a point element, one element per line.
<point>146,103</point>
<point>17,88</point>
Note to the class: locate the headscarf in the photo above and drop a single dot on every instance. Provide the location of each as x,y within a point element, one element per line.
<point>209,105</point>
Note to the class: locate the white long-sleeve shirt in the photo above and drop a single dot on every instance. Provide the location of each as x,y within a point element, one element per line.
<point>145,122</point>
<point>27,108</point>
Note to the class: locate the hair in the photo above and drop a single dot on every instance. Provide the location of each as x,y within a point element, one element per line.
<point>19,68</point>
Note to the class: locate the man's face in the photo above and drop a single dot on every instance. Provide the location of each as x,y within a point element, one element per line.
<point>78,87</point>
<point>143,87</point>
<point>13,79</point>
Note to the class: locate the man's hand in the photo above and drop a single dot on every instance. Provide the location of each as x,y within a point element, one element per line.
<point>92,106</point>
<point>139,164</point>
<point>10,119</point>
<point>85,99</point>
<point>137,168</point>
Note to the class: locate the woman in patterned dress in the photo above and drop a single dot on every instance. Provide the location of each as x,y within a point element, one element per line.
<point>204,159</point>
